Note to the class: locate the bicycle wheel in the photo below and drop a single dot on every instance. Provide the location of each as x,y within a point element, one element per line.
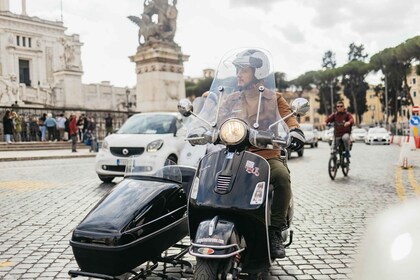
<point>332,167</point>
<point>345,165</point>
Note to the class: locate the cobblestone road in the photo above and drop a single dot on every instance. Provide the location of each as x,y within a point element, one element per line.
<point>42,201</point>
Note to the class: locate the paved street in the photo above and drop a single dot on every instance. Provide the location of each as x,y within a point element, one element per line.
<point>41,201</point>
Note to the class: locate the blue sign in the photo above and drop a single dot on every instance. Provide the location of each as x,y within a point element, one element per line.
<point>415,121</point>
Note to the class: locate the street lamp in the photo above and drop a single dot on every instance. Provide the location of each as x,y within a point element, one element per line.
<point>332,98</point>
<point>127,104</point>
<point>401,98</point>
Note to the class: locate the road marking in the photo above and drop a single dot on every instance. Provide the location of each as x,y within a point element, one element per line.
<point>399,186</point>
<point>24,185</point>
<point>5,264</point>
<point>413,181</point>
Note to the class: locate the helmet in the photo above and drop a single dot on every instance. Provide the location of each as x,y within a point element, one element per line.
<point>255,59</point>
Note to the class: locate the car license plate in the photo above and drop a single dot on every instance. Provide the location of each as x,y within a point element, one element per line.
<point>121,162</point>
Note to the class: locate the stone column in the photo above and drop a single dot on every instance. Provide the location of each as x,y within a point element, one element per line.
<point>160,80</point>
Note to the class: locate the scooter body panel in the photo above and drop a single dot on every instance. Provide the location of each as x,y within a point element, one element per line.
<point>234,187</point>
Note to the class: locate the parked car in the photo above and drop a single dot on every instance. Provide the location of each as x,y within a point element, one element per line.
<point>310,137</point>
<point>377,135</point>
<point>153,137</point>
<point>358,134</point>
<point>327,135</point>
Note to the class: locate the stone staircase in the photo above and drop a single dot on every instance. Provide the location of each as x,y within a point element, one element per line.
<point>33,146</point>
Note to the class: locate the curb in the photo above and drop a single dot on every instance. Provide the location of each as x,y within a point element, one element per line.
<point>44,157</point>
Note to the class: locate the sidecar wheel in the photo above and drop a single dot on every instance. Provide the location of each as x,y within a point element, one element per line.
<point>206,269</point>
<point>106,179</point>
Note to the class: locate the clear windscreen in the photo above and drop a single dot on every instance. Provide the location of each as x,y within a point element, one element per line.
<point>252,99</point>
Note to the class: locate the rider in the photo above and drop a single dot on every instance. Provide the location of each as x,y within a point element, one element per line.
<point>343,121</point>
<point>252,66</point>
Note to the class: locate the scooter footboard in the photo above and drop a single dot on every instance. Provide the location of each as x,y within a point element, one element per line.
<point>215,239</point>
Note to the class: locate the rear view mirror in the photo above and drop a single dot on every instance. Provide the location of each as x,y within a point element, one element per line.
<point>185,107</point>
<point>300,106</point>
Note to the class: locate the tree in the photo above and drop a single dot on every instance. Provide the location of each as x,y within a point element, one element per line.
<point>353,80</point>
<point>281,83</point>
<point>328,84</point>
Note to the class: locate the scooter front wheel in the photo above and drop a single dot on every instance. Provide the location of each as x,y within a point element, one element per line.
<point>206,269</point>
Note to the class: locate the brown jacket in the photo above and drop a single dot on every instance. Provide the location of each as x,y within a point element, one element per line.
<point>249,98</point>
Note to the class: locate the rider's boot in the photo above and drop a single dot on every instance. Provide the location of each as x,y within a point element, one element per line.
<point>277,250</point>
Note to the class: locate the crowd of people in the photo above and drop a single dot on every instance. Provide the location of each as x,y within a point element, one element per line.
<point>48,128</point>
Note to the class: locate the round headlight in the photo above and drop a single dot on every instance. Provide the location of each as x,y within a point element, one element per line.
<point>233,132</point>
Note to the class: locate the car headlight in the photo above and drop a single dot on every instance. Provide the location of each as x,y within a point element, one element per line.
<point>154,146</point>
<point>105,145</point>
<point>233,132</point>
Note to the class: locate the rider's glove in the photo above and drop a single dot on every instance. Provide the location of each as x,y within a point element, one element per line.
<point>297,139</point>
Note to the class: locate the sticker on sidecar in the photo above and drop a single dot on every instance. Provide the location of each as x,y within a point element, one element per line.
<point>251,169</point>
<point>210,240</point>
<point>206,251</point>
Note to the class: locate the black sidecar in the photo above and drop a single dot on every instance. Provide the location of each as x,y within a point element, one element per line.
<point>138,220</point>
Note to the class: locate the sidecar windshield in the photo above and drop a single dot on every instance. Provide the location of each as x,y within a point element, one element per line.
<point>160,168</point>
<point>243,88</point>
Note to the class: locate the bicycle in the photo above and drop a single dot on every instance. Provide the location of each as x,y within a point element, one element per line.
<point>338,159</point>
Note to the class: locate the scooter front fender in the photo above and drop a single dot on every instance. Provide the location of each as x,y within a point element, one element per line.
<point>215,239</point>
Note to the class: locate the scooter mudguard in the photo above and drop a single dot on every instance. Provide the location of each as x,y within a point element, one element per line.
<point>215,239</point>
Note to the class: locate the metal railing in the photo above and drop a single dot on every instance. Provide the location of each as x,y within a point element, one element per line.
<point>119,117</point>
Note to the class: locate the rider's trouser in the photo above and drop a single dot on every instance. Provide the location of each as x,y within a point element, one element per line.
<point>280,179</point>
<point>346,141</point>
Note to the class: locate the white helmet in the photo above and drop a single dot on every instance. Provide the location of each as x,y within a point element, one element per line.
<point>255,59</point>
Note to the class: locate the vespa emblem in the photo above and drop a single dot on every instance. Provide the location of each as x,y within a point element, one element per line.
<point>125,152</point>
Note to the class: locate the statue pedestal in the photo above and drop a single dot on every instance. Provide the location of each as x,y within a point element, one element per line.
<point>160,79</point>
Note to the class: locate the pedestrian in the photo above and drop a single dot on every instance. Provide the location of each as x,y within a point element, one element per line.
<point>33,130</point>
<point>73,132</point>
<point>109,125</point>
<point>80,124</point>
<point>61,126</point>
<point>17,126</point>
<point>7,126</point>
<point>42,127</point>
<point>51,125</point>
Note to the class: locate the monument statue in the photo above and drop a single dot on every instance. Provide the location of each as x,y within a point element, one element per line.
<point>164,29</point>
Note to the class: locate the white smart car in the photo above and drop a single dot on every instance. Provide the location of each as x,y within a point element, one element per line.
<point>151,137</point>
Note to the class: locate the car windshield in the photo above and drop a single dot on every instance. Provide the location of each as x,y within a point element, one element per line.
<point>149,124</point>
<point>378,130</point>
<point>359,131</point>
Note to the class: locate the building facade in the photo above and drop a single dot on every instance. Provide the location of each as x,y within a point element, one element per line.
<point>40,65</point>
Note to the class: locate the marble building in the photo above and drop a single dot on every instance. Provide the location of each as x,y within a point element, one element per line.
<point>40,65</point>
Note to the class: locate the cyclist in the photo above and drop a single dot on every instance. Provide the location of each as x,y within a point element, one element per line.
<point>343,122</point>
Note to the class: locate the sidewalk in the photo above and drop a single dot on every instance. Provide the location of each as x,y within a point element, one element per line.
<point>44,154</point>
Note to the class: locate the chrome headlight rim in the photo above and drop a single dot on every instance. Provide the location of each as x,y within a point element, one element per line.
<point>233,131</point>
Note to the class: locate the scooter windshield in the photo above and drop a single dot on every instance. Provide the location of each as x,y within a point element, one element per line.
<point>243,88</point>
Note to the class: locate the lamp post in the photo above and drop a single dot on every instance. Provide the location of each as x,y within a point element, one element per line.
<point>127,104</point>
<point>332,97</point>
<point>386,101</point>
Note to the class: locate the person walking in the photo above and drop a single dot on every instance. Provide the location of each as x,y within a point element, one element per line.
<point>42,127</point>
<point>7,126</point>
<point>61,126</point>
<point>51,124</point>
<point>109,125</point>
<point>73,132</point>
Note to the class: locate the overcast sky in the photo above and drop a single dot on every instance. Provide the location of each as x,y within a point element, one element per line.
<point>296,32</point>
